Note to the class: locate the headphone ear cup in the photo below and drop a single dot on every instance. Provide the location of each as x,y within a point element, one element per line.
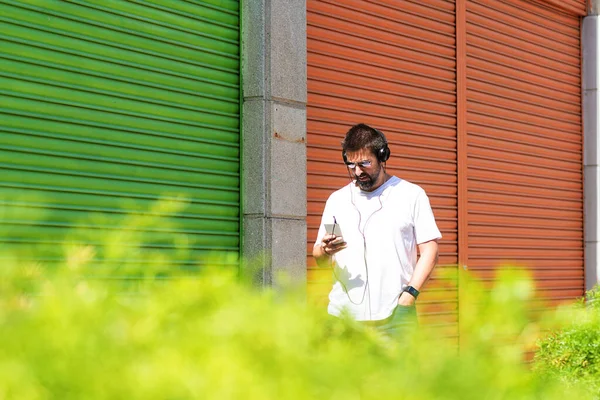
<point>344,157</point>
<point>384,154</point>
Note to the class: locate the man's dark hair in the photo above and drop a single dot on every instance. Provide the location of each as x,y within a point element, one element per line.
<point>362,136</point>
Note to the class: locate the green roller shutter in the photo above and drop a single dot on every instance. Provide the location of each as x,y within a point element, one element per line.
<point>107,106</point>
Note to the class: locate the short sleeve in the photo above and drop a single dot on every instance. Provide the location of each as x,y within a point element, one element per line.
<point>424,222</point>
<point>327,216</point>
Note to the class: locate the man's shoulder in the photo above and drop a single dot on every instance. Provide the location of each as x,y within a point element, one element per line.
<point>405,187</point>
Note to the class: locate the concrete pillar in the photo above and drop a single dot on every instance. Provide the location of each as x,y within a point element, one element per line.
<point>593,7</point>
<point>274,138</point>
<point>591,175</point>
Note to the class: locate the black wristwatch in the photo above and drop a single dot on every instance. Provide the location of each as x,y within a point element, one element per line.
<point>412,291</point>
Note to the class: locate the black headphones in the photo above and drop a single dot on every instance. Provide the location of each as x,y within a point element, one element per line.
<point>382,154</point>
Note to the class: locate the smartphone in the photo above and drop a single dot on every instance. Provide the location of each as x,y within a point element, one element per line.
<point>334,229</point>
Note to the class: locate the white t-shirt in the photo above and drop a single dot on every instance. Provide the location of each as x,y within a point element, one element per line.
<point>382,229</point>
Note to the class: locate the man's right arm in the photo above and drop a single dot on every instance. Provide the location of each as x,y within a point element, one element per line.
<point>320,255</point>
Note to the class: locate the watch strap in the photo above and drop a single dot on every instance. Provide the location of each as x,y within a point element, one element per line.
<point>412,291</point>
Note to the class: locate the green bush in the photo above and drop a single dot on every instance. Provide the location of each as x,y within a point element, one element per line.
<point>571,354</point>
<point>73,332</point>
<point>65,336</point>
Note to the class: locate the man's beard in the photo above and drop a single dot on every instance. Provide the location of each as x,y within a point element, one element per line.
<point>367,184</point>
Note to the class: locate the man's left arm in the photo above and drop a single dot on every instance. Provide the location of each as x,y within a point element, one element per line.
<point>423,269</point>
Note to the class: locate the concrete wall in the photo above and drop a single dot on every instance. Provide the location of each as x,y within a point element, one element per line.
<point>591,175</point>
<point>274,138</point>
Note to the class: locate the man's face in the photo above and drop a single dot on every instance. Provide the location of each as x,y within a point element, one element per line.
<point>368,177</point>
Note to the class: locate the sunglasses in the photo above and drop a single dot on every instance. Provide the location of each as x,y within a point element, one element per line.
<point>362,164</point>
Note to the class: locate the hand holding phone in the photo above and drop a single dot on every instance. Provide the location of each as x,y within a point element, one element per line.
<point>333,240</point>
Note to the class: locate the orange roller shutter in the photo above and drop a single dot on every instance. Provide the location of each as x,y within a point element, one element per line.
<point>524,142</point>
<point>391,64</point>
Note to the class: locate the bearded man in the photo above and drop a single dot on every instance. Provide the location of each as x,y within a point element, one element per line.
<point>376,224</point>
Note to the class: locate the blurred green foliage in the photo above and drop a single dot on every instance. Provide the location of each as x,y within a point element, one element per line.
<point>65,336</point>
<point>571,353</point>
<point>75,332</point>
